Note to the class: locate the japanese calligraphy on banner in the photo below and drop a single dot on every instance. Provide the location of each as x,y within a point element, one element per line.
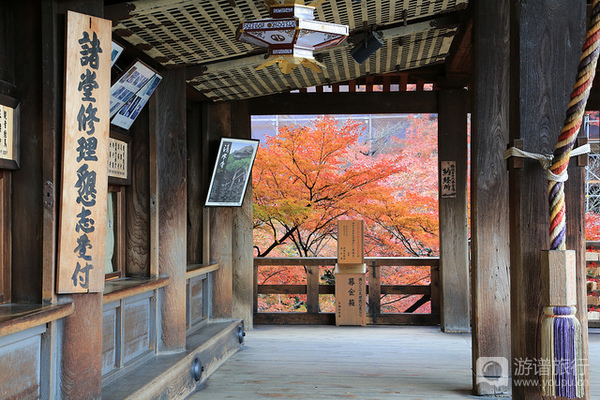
<point>82,231</point>
<point>448,179</point>
<point>117,158</point>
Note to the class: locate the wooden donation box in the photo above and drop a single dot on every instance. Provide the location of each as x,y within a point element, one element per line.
<point>350,278</point>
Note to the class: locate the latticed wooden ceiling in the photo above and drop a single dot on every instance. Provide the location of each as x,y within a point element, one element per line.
<point>201,36</point>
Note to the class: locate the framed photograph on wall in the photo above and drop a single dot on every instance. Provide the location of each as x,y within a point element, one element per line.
<point>9,133</point>
<point>232,172</point>
<point>119,159</point>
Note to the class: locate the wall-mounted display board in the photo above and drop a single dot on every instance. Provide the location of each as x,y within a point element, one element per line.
<point>232,172</point>
<point>131,109</point>
<point>9,133</point>
<point>119,159</point>
<point>115,52</point>
<point>82,230</point>
<point>130,92</point>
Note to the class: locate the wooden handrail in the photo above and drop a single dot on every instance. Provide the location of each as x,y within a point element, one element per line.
<point>375,289</point>
<point>200,269</point>
<point>19,317</point>
<point>370,261</point>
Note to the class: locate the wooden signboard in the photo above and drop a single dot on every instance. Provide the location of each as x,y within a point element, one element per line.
<point>448,179</point>
<point>9,133</point>
<point>82,231</point>
<point>351,241</point>
<point>350,299</point>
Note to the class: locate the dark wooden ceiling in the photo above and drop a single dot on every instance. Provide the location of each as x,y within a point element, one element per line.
<point>429,39</point>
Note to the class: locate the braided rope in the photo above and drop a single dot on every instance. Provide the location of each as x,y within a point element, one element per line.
<point>566,141</point>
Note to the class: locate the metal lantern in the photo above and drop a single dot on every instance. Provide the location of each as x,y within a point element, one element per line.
<point>292,34</point>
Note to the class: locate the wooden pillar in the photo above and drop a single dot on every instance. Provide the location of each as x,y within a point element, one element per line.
<point>490,253</point>
<point>242,250</point>
<point>80,367</point>
<point>221,220</point>
<point>81,373</point>
<point>546,39</point>
<point>454,255</point>
<point>169,204</point>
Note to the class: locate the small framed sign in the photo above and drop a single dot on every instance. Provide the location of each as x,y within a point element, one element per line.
<point>119,159</point>
<point>232,172</point>
<point>448,179</point>
<point>9,132</point>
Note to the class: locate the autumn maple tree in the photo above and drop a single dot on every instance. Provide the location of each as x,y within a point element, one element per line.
<point>307,177</point>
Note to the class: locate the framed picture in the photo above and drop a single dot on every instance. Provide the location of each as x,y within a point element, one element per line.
<point>119,159</point>
<point>232,172</point>
<point>9,133</point>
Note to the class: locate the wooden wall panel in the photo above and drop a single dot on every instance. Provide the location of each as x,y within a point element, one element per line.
<point>138,199</point>
<point>490,253</point>
<point>546,39</point>
<point>21,354</point>
<point>136,328</point>
<point>195,191</point>
<point>109,340</point>
<point>27,182</point>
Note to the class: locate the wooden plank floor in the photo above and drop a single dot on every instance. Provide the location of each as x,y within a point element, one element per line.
<point>374,362</point>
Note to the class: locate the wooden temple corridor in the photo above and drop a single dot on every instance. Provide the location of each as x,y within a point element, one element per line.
<point>376,362</point>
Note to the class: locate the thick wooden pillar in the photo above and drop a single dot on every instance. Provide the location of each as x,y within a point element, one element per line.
<point>454,255</point>
<point>169,204</point>
<point>546,39</point>
<point>242,250</point>
<point>221,220</point>
<point>490,253</point>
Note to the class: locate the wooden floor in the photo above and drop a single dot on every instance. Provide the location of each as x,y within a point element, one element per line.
<point>374,362</point>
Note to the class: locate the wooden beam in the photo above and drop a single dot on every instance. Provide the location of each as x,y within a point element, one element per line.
<point>546,40</point>
<point>195,189</point>
<point>459,59</point>
<point>171,194</point>
<point>242,240</point>
<point>490,253</point>
<point>370,261</point>
<point>346,103</point>
<point>454,255</point>
<point>51,125</point>
<point>221,219</point>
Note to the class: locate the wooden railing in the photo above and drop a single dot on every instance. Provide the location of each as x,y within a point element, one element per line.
<point>312,288</point>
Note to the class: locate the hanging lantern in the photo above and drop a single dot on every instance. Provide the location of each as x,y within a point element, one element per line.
<point>292,34</point>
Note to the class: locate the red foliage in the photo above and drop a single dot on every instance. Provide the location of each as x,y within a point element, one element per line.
<point>592,226</point>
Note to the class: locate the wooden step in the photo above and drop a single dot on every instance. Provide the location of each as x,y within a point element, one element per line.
<point>175,376</point>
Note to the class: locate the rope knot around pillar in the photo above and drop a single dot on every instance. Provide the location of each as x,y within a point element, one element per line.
<point>545,160</point>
